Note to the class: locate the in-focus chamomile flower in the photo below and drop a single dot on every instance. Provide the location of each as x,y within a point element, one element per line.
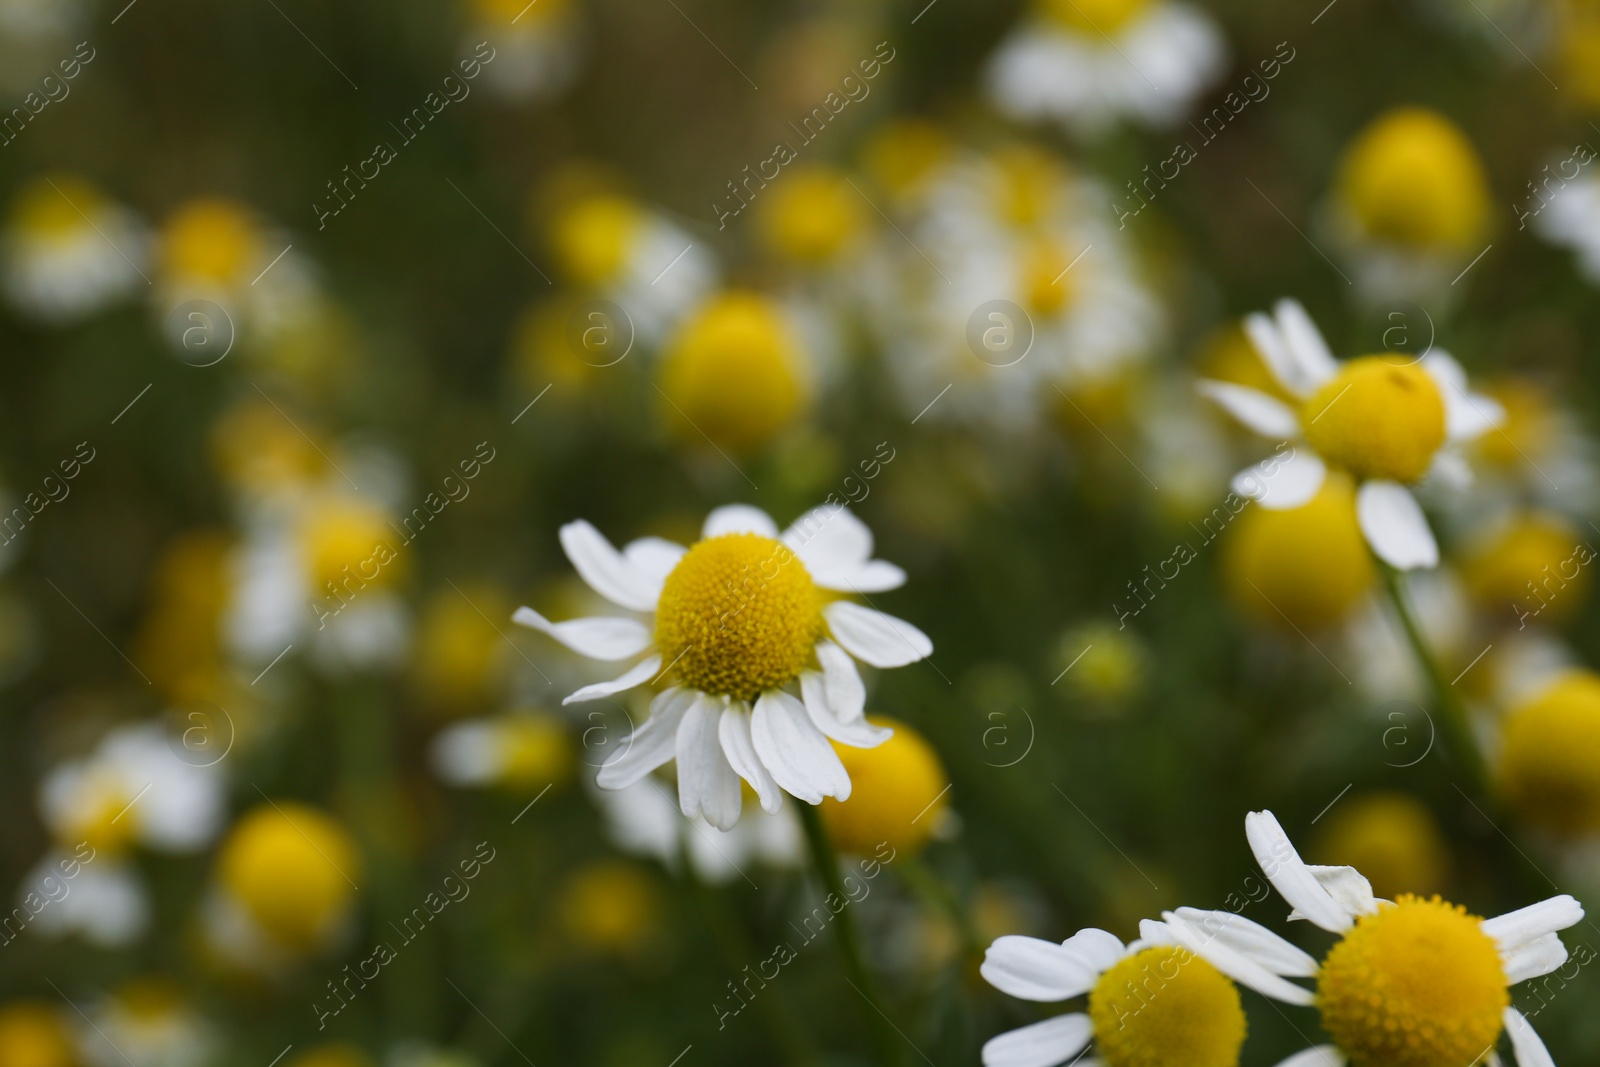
<point>34,1034</point>
<point>1531,567</point>
<point>899,793</point>
<point>1386,421</point>
<point>1306,566</point>
<point>643,819</point>
<point>611,907</point>
<point>1089,64</point>
<point>1416,982</point>
<point>523,752</point>
<point>1392,838</point>
<point>148,1021</point>
<point>1152,1002</point>
<point>1549,761</point>
<point>68,250</point>
<point>738,621</point>
<point>734,372</point>
<point>284,885</point>
<point>533,49</point>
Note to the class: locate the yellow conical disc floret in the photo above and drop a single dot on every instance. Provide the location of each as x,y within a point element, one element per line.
<point>54,208</point>
<point>1094,16</point>
<point>1391,838</point>
<point>739,614</point>
<point>211,240</point>
<point>1418,984</point>
<point>1535,565</point>
<point>812,215</point>
<point>291,867</point>
<point>1413,178</point>
<point>732,373</point>
<point>593,237</point>
<point>1550,755</point>
<point>897,793</point>
<point>1307,567</point>
<point>1166,1007</point>
<point>1377,419</point>
<point>348,542</point>
<point>34,1035</point>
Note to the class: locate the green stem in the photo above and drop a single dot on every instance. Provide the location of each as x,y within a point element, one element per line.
<point>1455,727</point>
<point>890,1044</point>
<point>936,894</point>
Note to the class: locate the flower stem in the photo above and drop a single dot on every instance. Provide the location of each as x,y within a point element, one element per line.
<point>826,861</point>
<point>1455,727</point>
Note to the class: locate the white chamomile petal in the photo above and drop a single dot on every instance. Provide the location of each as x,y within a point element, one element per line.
<point>1316,1056</point>
<point>1290,875</point>
<point>1030,968</point>
<point>1466,414</point>
<point>1450,469</point>
<point>739,518</point>
<point>1266,415</point>
<point>1237,957</point>
<point>606,570</point>
<point>795,751</point>
<point>1251,939</point>
<point>1548,916</point>
<point>857,733</point>
<point>1313,361</point>
<point>734,731</point>
<point>1394,525</point>
<point>836,548</point>
<point>639,674</point>
<point>1525,1042</point>
<point>597,638</point>
<point>847,694</point>
<point>1282,482</point>
<point>1046,1044</point>
<point>875,638</point>
<point>707,784</point>
<point>1274,351</point>
<point>1533,959</point>
<point>1348,887</point>
<point>651,744</point>
<point>654,558</point>
<point>1098,950</point>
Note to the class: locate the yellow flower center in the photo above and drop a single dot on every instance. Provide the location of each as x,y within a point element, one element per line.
<point>350,544</point>
<point>1377,419</point>
<point>902,154</point>
<point>33,1034</point>
<point>897,792</point>
<point>1418,984</point>
<point>812,215</point>
<point>1550,755</point>
<point>101,814</point>
<point>1391,838</point>
<point>288,865</point>
<point>213,240</point>
<point>1166,1007</point>
<point>536,749</point>
<point>520,12</point>
<point>1094,16</point>
<point>738,615</point>
<point>53,212</point>
<point>732,374</point>
<point>1530,427</point>
<point>1536,564</point>
<point>1412,177</point>
<point>1044,285</point>
<point>1028,185</point>
<point>592,239</point>
<point>610,906</point>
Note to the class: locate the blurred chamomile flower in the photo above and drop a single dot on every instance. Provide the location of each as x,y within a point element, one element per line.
<point>534,47</point>
<point>1411,983</point>
<point>1530,566</point>
<point>68,250</point>
<point>149,1022</point>
<point>1385,422</point>
<point>35,1034</point>
<point>1149,1002</point>
<point>522,752</point>
<point>610,907</point>
<point>460,657</point>
<point>738,620</point>
<point>643,819</point>
<point>899,794</point>
<point>1090,64</point>
<point>1392,838</point>
<point>1548,766</point>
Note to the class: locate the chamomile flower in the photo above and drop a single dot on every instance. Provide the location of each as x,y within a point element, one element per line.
<point>643,819</point>
<point>1392,837</point>
<point>1571,219</point>
<point>1385,422</point>
<point>610,907</point>
<point>1089,64</point>
<point>899,794</point>
<point>68,250</point>
<point>1149,1002</point>
<point>524,751</point>
<point>739,621</point>
<point>35,1034</point>
<point>535,46</point>
<point>148,1021</point>
<point>1548,765</point>
<point>1411,983</point>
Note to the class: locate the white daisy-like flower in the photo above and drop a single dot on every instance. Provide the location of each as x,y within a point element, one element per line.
<point>147,1022</point>
<point>534,49</point>
<point>1572,218</point>
<point>1389,424</point>
<point>1151,1001</point>
<point>740,620</point>
<point>1410,981</point>
<point>69,251</point>
<point>1089,64</point>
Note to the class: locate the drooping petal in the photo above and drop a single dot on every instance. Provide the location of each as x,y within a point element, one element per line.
<point>1264,414</point>
<point>1348,887</point>
<point>1531,959</point>
<point>654,558</point>
<point>1289,874</point>
<point>597,638</point>
<point>1515,928</point>
<point>1029,968</point>
<point>1252,940</point>
<point>858,733</point>
<point>651,744</point>
<point>1280,482</point>
<point>707,784</point>
<point>1316,1056</point>
<point>606,570</point>
<point>795,751</point>
<point>1394,525</point>
<point>875,638</point>
<point>638,674</point>
<point>1228,957</point>
<point>1046,1044</point>
<point>847,694</point>
<point>1525,1042</point>
<point>1098,950</point>
<point>1313,361</point>
<point>734,731</point>
<point>739,518</point>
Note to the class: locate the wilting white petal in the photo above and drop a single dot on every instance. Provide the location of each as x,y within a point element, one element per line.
<point>1264,414</point>
<point>1394,525</point>
<point>651,744</point>
<point>1289,874</point>
<point>875,638</point>
<point>1046,1044</point>
<point>795,751</point>
<point>597,638</point>
<point>739,518</point>
<point>1532,959</point>
<point>707,784</point>
<point>1348,887</point>
<point>1029,968</point>
<point>1280,482</point>
<point>1525,1043</point>
<point>639,674</point>
<point>741,752</point>
<point>605,569</point>
<point>857,733</point>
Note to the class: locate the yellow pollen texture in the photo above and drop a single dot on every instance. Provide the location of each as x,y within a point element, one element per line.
<point>738,615</point>
<point>1377,419</point>
<point>1418,984</point>
<point>1166,1007</point>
